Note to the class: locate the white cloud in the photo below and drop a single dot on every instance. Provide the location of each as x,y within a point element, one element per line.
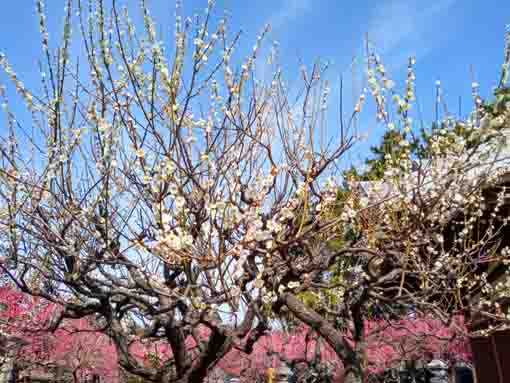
<point>402,28</point>
<point>289,11</point>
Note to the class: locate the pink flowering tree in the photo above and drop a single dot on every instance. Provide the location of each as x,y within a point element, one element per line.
<point>389,343</point>
<point>75,346</point>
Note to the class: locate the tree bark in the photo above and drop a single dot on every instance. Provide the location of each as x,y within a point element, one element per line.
<point>219,345</point>
<point>349,356</point>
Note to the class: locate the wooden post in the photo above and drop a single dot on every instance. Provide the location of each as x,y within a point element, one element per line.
<point>496,359</point>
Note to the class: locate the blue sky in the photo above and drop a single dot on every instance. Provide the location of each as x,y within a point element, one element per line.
<point>446,36</point>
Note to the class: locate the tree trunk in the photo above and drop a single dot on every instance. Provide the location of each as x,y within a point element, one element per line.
<point>352,358</point>
<point>325,329</point>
